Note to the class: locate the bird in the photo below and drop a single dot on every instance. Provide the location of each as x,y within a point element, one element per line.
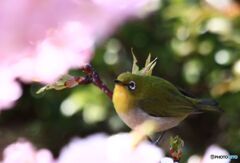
<point>139,96</point>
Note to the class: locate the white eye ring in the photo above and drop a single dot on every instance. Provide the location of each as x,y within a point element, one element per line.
<point>131,85</point>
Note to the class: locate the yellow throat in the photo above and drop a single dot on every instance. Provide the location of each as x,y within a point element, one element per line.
<point>122,100</point>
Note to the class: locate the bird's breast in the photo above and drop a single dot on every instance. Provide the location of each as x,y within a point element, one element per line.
<point>122,101</point>
<point>137,116</point>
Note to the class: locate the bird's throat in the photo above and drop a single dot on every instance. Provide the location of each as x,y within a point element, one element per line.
<point>122,100</point>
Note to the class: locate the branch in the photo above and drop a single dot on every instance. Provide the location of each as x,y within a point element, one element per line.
<point>68,81</point>
<point>96,80</point>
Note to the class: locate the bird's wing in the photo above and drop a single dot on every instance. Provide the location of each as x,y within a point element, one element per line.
<point>165,100</point>
<point>185,93</point>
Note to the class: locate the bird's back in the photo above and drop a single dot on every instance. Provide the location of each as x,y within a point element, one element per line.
<point>162,99</point>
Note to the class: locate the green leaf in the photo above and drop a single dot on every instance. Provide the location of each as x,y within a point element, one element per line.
<point>135,68</point>
<point>147,69</point>
<point>58,85</point>
<point>148,60</point>
<point>176,143</point>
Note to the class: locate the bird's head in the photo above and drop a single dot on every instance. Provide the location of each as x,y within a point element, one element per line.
<point>129,83</point>
<point>132,82</point>
<point>129,86</point>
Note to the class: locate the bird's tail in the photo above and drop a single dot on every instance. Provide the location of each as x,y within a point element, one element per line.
<point>208,105</point>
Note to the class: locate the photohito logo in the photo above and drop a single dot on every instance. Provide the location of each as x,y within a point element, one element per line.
<point>230,157</point>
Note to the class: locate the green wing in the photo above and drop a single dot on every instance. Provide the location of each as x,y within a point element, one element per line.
<point>162,99</point>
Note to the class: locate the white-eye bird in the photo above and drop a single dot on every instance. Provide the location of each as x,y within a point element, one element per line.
<point>138,96</point>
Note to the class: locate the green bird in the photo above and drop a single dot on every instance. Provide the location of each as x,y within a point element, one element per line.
<point>138,96</point>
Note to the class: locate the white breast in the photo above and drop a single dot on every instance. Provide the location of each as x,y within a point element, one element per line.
<point>137,116</point>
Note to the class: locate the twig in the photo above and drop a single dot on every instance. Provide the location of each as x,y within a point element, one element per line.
<point>68,81</point>
<point>96,80</point>
<point>91,77</point>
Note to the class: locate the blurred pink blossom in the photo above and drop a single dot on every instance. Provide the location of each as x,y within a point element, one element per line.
<point>208,157</point>
<point>42,40</point>
<point>102,148</point>
<point>219,4</point>
<point>93,149</point>
<point>24,152</point>
<point>215,150</point>
<point>114,149</point>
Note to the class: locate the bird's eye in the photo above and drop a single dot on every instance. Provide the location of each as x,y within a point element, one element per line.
<point>131,85</point>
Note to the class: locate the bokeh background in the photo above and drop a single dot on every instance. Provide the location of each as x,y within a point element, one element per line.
<point>197,44</point>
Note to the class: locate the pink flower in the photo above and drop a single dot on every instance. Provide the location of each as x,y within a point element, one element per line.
<point>211,156</point>
<point>114,149</point>
<point>212,151</point>
<point>24,152</point>
<point>10,89</point>
<point>42,40</point>
<point>220,4</point>
<point>93,149</point>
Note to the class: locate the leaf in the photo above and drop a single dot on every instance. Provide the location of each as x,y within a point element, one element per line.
<point>135,68</point>
<point>58,85</point>
<point>148,60</point>
<point>147,69</point>
<point>41,90</point>
<point>176,143</point>
<point>153,64</point>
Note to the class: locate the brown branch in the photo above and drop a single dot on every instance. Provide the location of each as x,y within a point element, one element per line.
<point>91,77</point>
<point>96,80</point>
